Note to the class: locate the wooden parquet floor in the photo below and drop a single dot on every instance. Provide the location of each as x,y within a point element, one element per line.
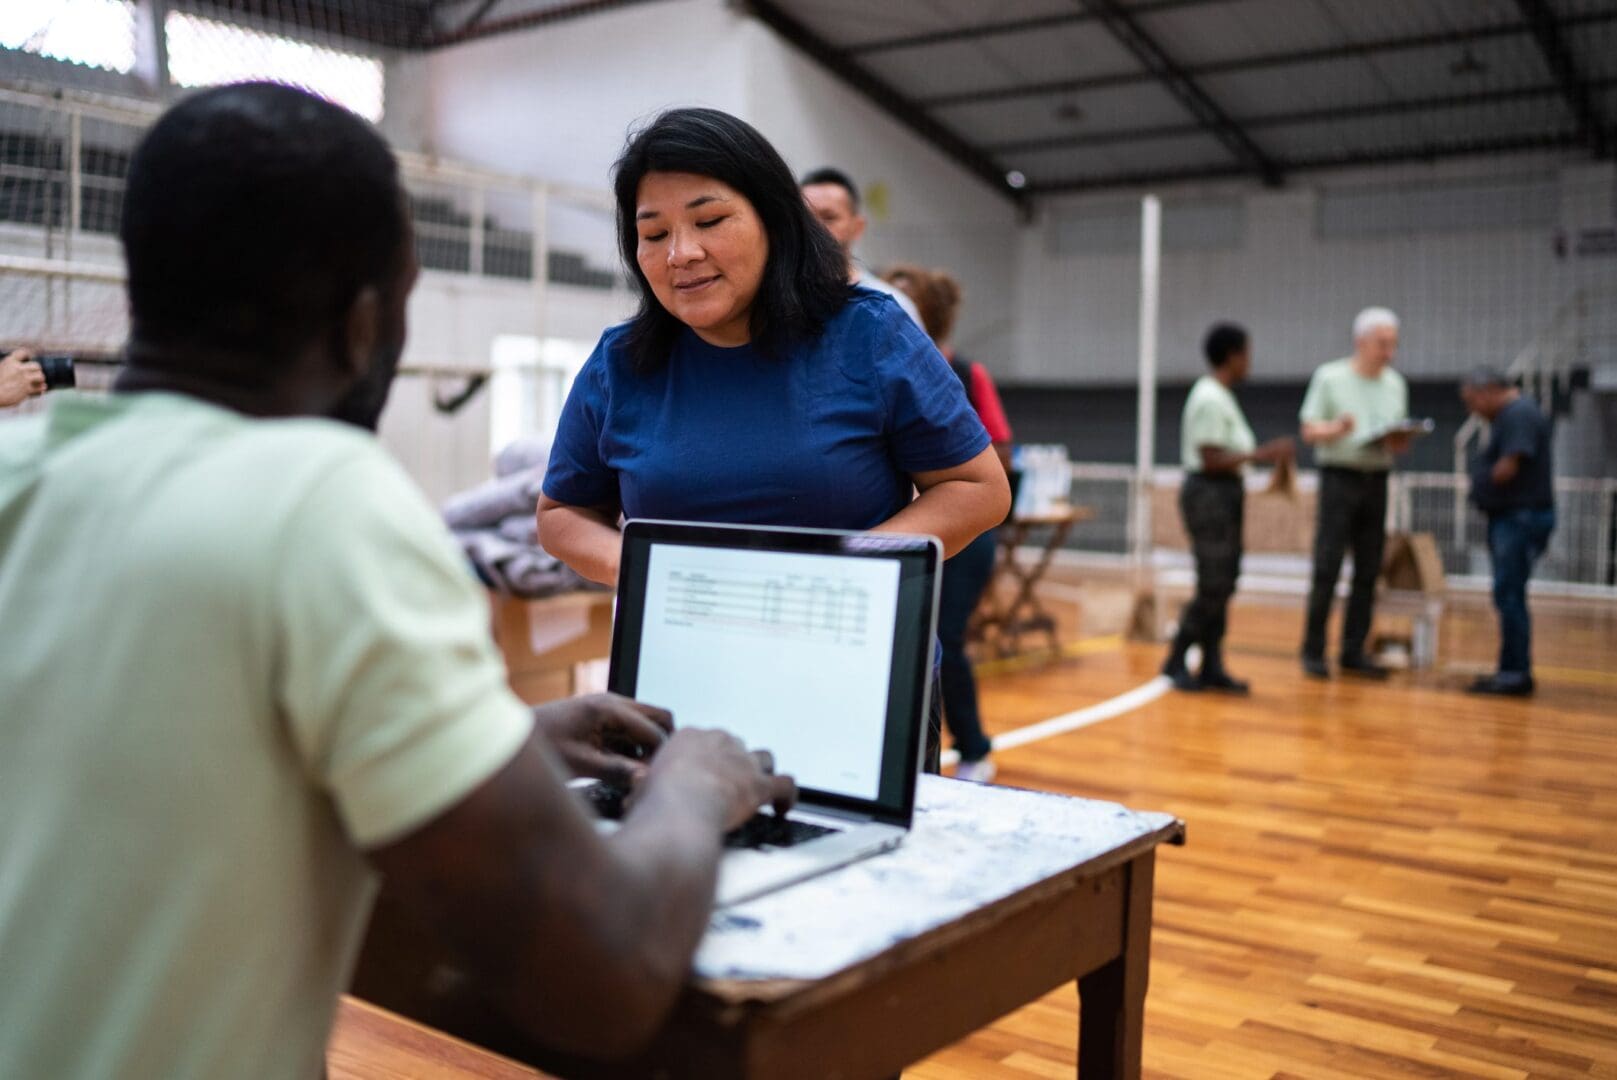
<point>1381,880</point>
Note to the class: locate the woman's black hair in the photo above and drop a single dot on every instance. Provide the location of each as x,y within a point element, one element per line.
<point>1223,341</point>
<point>805,280</point>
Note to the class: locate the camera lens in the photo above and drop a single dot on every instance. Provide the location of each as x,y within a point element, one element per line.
<point>58,371</point>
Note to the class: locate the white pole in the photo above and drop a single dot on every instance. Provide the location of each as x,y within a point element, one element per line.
<point>1146,436</point>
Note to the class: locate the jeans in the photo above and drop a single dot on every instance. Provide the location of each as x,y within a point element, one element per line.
<point>964,578</point>
<point>1352,514</point>
<point>1516,538</point>
<point>1213,509</point>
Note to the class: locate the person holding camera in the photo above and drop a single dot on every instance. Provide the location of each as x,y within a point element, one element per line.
<point>20,378</point>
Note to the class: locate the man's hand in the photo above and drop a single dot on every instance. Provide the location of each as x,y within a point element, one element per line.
<point>1399,442</point>
<point>1328,431</point>
<point>1275,451</point>
<point>20,378</point>
<point>605,736</point>
<point>714,769</point>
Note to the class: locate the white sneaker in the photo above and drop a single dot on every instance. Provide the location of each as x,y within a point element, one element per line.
<point>977,772</point>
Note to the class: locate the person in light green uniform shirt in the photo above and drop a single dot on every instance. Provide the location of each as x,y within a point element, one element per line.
<point>1349,403</point>
<point>1216,444</point>
<point>247,675</point>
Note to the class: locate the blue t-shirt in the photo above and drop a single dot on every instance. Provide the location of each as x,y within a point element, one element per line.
<point>825,436</point>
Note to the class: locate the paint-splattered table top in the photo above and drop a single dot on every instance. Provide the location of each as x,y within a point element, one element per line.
<point>971,846</point>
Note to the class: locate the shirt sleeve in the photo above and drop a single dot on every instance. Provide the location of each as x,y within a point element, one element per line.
<point>930,422</point>
<point>1316,404</point>
<point>388,679</point>
<point>1515,434</point>
<point>1208,426</point>
<point>577,475</point>
<point>985,396</point>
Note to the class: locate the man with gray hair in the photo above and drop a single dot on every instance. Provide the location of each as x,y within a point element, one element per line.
<point>1513,484</point>
<point>1349,406</point>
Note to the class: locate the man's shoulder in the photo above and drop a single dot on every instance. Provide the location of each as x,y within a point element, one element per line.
<point>20,437</point>
<point>1204,391</point>
<point>302,448</point>
<point>1524,410</point>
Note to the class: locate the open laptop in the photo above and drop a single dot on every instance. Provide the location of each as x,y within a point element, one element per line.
<point>814,645</point>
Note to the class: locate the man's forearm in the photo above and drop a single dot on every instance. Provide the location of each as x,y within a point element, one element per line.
<point>1316,432</point>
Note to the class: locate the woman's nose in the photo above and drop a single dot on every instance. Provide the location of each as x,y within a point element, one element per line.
<point>683,248</point>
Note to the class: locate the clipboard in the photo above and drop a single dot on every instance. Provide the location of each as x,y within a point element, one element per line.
<point>1411,427</point>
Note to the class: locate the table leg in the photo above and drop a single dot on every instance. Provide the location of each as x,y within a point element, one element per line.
<point>1111,999</point>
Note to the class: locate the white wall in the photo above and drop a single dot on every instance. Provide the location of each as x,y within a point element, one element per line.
<point>558,101</point>
<point>1467,297</point>
<point>555,102</point>
<point>937,214</point>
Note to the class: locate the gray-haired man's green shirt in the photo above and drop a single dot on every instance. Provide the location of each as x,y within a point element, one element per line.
<point>1338,390</point>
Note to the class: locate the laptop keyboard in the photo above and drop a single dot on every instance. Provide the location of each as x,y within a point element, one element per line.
<point>606,800</point>
<point>760,831</point>
<point>767,830</point>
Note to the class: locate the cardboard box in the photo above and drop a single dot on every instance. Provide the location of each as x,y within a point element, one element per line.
<point>543,640</point>
<point>1412,562</point>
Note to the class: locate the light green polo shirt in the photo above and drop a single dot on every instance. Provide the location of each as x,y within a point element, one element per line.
<point>1212,417</point>
<point>1337,390</point>
<point>237,653</point>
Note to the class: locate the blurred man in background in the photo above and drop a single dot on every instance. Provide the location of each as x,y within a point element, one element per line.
<point>1216,445</point>
<point>1513,484</point>
<point>1348,404</point>
<point>832,196</point>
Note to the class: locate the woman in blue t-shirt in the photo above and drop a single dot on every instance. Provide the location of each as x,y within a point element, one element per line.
<point>754,385</point>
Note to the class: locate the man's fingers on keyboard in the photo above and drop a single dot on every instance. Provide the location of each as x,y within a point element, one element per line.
<point>782,793</point>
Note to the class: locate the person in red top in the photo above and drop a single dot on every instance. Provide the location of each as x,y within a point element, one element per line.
<point>937,297</point>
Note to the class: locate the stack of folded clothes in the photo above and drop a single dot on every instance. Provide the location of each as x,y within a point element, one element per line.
<point>497,526</point>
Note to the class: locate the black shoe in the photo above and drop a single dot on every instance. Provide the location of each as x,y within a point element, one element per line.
<point>1182,678</point>
<point>1503,686</point>
<point>1315,667</point>
<point>1222,682</point>
<point>1363,667</point>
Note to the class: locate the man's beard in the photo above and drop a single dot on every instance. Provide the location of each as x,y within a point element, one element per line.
<point>362,405</point>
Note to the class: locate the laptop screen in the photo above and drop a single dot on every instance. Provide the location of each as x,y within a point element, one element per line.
<point>801,643</point>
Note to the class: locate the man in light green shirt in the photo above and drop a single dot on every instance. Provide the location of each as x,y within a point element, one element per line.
<point>1216,443</point>
<point>247,675</point>
<point>1349,405</point>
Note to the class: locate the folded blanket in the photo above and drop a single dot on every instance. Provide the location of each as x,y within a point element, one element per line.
<point>497,525</point>
<point>523,570</point>
<point>489,503</point>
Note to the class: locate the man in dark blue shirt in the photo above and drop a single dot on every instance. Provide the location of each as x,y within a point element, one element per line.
<point>1513,483</point>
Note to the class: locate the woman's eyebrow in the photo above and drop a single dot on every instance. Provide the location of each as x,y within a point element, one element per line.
<point>700,200</point>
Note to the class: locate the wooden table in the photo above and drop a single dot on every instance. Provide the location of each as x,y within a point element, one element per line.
<point>997,897</point>
<point>999,625</point>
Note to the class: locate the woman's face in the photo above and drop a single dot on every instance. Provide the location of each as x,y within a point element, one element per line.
<point>703,249</point>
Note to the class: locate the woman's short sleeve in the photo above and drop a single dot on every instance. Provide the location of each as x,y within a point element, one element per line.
<point>577,475</point>
<point>930,421</point>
